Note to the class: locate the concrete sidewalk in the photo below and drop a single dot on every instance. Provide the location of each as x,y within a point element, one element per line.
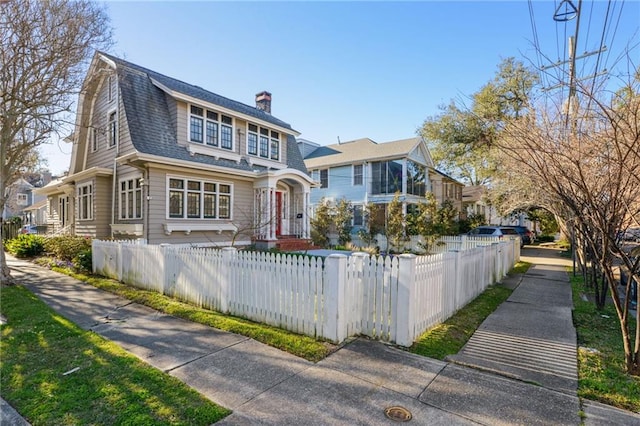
<point>529,339</point>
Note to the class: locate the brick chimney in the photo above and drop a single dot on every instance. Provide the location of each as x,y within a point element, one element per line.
<point>263,101</point>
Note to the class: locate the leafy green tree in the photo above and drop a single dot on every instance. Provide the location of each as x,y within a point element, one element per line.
<point>342,216</point>
<point>462,139</point>
<point>372,226</point>
<point>394,231</point>
<point>321,224</point>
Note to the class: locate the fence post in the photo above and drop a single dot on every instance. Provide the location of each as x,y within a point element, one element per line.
<point>166,268</point>
<point>228,253</point>
<point>334,315</point>
<point>405,310</point>
<point>119,261</point>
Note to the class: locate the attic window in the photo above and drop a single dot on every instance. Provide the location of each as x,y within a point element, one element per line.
<point>211,129</point>
<point>263,142</point>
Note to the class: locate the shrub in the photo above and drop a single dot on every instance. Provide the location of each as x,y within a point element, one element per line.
<point>83,261</point>
<point>67,247</point>
<point>26,245</point>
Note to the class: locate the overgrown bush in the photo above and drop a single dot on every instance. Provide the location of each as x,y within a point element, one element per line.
<point>83,260</point>
<point>67,247</point>
<point>26,245</point>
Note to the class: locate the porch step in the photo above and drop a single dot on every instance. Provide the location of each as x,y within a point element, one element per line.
<point>294,244</point>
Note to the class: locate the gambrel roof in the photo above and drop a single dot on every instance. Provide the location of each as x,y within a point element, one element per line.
<point>144,97</point>
<point>361,150</point>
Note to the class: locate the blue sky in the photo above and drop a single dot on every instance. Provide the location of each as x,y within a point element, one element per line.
<point>353,69</point>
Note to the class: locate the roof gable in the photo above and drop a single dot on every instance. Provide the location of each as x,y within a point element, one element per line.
<point>361,150</point>
<point>198,92</point>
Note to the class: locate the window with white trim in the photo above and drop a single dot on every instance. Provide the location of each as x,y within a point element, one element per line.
<point>210,128</point>
<point>324,178</point>
<point>21,199</point>
<point>358,215</point>
<point>110,88</point>
<point>263,142</point>
<point>357,175</point>
<point>199,199</point>
<point>94,139</point>
<point>85,202</point>
<point>113,129</point>
<point>130,199</point>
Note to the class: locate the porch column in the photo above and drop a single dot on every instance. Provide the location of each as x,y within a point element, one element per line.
<point>272,212</point>
<point>306,222</point>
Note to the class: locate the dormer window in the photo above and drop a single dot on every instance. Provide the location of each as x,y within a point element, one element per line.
<point>263,142</point>
<point>210,128</point>
<point>113,129</point>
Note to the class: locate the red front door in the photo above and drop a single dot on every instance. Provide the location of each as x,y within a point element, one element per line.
<point>278,217</point>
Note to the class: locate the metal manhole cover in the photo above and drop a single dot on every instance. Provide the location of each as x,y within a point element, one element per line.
<point>398,414</point>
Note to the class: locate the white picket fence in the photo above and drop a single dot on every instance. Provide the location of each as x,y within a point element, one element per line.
<point>393,299</point>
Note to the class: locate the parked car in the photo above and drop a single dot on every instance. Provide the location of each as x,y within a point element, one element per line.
<point>496,231</point>
<point>631,234</point>
<point>29,229</point>
<point>527,236</point>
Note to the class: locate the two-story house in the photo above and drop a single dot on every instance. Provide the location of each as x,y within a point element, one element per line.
<point>160,159</point>
<point>363,171</point>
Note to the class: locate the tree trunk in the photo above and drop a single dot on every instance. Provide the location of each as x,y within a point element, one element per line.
<point>5,272</point>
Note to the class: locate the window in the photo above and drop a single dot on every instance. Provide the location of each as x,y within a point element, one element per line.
<point>94,139</point>
<point>416,178</point>
<point>275,145</point>
<point>252,140</point>
<point>210,128</point>
<point>263,142</point>
<point>85,202</point>
<point>130,199</point>
<point>358,216</point>
<point>198,199</point>
<point>357,174</point>
<point>113,130</point>
<point>21,199</point>
<point>324,178</point>
<point>110,87</point>
<point>386,177</point>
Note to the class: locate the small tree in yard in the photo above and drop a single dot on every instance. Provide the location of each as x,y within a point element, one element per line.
<point>585,169</point>
<point>342,217</point>
<point>372,226</point>
<point>394,231</point>
<point>44,50</point>
<point>321,223</point>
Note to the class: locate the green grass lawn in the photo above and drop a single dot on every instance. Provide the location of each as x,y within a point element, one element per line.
<point>296,344</point>
<point>55,373</point>
<point>601,372</point>
<point>450,336</point>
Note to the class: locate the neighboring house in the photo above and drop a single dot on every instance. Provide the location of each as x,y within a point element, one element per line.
<point>156,158</point>
<point>24,202</point>
<point>364,171</point>
<point>446,188</point>
<point>474,201</point>
<point>19,196</point>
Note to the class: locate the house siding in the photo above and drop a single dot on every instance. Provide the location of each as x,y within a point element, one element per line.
<point>98,227</point>
<point>242,209</point>
<point>341,185</point>
<point>104,155</point>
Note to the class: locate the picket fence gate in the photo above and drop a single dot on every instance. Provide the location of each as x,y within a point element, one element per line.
<point>392,298</point>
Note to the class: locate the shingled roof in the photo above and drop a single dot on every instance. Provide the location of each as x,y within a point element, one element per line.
<point>359,150</point>
<point>152,129</point>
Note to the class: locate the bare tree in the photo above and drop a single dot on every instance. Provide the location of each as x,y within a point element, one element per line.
<point>585,171</point>
<point>44,51</point>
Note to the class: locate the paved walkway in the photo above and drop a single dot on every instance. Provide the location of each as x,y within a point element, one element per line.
<point>518,368</point>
